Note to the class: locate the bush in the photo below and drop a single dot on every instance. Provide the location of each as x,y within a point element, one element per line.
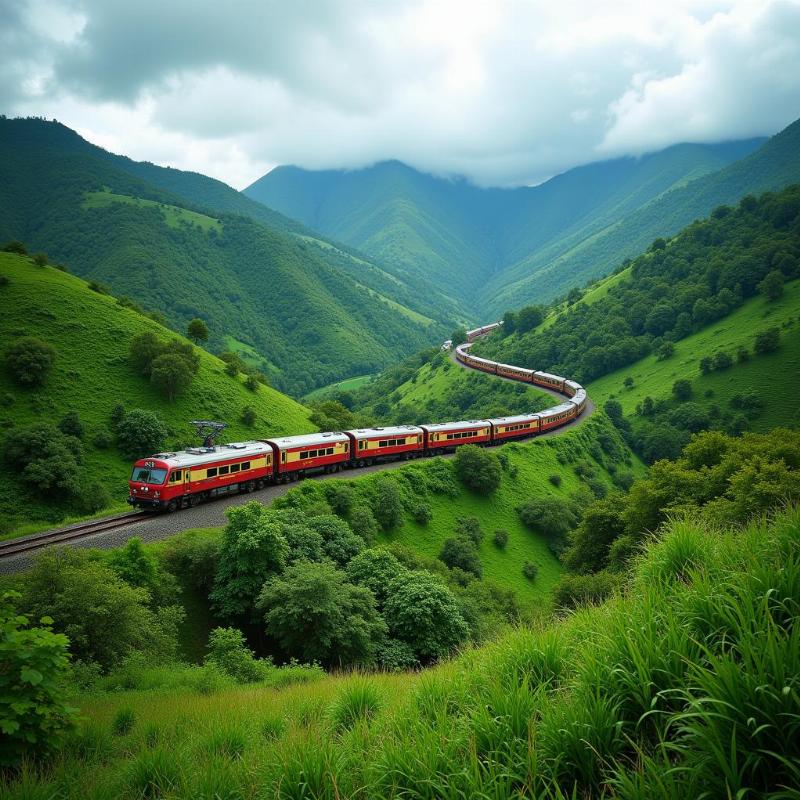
<point>171,375</point>
<point>140,433</point>
<point>470,527</point>
<point>396,656</point>
<point>117,414</point>
<point>15,246</point>
<point>251,382</point>
<point>767,341</point>
<point>501,538</point>
<point>197,331</point>
<point>667,350</point>
<point>572,591</point>
<point>387,503</point>
<point>94,497</point>
<point>530,570</point>
<point>46,458</point>
<point>682,389</point>
<point>742,355</point>
<point>102,439</point>
<point>71,425</point>
<point>363,523</point>
<point>98,287</point>
<point>123,722</point>
<point>555,480</point>
<point>478,469</point>
<point>40,259</point>
<point>459,552</point>
<point>249,416</point>
<point>722,360</point>
<point>29,360</point>
<point>228,650</point>
<point>551,517</point>
<point>422,513</point>
<point>34,715</point>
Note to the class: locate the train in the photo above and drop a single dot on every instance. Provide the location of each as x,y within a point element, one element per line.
<point>173,480</point>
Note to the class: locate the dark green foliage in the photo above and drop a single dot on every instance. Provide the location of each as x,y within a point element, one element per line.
<point>144,349</point>
<point>339,542</point>
<point>572,591</point>
<point>103,439</point>
<point>140,568</point>
<point>477,469</point>
<point>772,285</point>
<point>71,425</point>
<point>171,375</point>
<point>105,618</point>
<point>396,656</point>
<point>253,549</point>
<point>363,523</point>
<point>249,416</point>
<point>117,414</point>
<point>589,542</point>
<point>530,570</point>
<point>251,382</point>
<point>742,355</point>
<point>387,505</point>
<point>422,513</point>
<point>29,360</point>
<point>340,497</point>
<point>555,479</point>
<point>459,552</point>
<point>423,612</point>
<point>194,558</point>
<point>34,714</point>
<point>722,360</point>
<point>667,350</point>
<point>15,247</point>
<point>123,722</point>
<point>500,538</point>
<point>529,318</point>
<point>313,612</point>
<point>375,569</point>
<point>197,331</point>
<point>551,517</point>
<point>100,288</point>
<point>228,651</point>
<point>46,458</point>
<point>470,528</point>
<point>40,259</point>
<point>140,433</point>
<point>682,389</point>
<point>767,341</point>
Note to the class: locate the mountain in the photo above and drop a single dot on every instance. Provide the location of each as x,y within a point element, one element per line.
<point>473,240</point>
<point>303,309</point>
<point>91,334</point>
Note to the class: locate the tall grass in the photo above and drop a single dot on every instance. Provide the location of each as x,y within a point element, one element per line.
<point>687,685</point>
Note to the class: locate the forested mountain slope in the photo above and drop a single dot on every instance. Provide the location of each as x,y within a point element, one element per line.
<point>90,335</point>
<point>303,310</point>
<point>466,236</point>
<point>541,276</point>
<point>674,289</point>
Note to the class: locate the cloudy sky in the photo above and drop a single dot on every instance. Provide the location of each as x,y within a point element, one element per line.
<point>504,92</point>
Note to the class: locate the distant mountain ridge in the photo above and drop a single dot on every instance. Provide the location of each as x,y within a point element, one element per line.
<point>301,308</point>
<point>500,248</point>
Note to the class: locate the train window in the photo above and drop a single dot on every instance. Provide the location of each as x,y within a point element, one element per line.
<point>212,473</point>
<point>175,476</point>
<point>329,451</point>
<point>149,475</point>
<point>224,470</point>
<point>235,467</point>
<point>283,458</point>
<point>362,444</point>
<point>246,465</point>
<point>304,454</point>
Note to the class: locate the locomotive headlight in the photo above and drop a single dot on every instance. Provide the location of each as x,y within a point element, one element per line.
<point>156,494</point>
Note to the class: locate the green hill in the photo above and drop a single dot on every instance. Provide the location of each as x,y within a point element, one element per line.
<point>588,253</point>
<point>312,312</point>
<point>91,334</point>
<point>477,241</point>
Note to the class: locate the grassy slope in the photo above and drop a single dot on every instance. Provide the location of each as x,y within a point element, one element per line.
<point>91,334</point>
<point>564,707</point>
<point>343,386</point>
<point>655,378</point>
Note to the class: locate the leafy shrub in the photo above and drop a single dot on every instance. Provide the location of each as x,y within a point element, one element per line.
<point>102,439</point>
<point>40,259</point>
<point>117,414</point>
<point>501,538</point>
<point>551,517</point>
<point>363,523</point>
<point>682,389</point>
<point>478,469</point>
<point>767,341</point>
<point>530,570</point>
<point>171,375</point>
<point>375,568</point>
<point>141,433</point>
<point>470,527</point>
<point>34,715</point>
<point>572,591</point>
<point>249,416</point>
<point>394,655</point>
<point>71,425</point>
<point>93,497</point>
<point>459,552</point>
<point>422,513</point>
<point>29,360</point>
<point>15,246</point>
<point>98,287</point>
<point>46,458</point>
<point>339,496</point>
<point>339,542</point>
<point>555,480</point>
<point>722,360</point>
<point>197,331</point>
<point>387,505</point>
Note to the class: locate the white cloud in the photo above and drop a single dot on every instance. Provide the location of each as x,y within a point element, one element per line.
<point>502,91</point>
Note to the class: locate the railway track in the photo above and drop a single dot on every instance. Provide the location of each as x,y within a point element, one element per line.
<point>38,541</point>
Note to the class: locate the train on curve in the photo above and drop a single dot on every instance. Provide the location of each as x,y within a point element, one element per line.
<point>169,481</point>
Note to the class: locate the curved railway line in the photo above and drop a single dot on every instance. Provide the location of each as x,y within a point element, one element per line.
<point>15,553</point>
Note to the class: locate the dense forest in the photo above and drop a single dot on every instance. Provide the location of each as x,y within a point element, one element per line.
<point>675,288</point>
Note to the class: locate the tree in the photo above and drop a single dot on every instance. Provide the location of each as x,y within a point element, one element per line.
<point>140,433</point>
<point>228,650</point>
<point>251,382</point>
<point>34,714</point>
<point>613,409</point>
<point>459,336</point>
<point>722,360</point>
<point>501,538</point>
<point>459,552</point>
<point>551,517</point>
<point>363,522</point>
<point>529,318</point>
<point>249,416</point>
<point>15,246</point>
<point>171,375</point>
<point>530,570</point>
<point>197,331</point>
<point>144,349</point>
<point>706,365</point>
<point>509,323</point>
<point>71,425</point>
<point>478,469</point>
<point>29,360</point>
<point>682,389</point>
<point>388,503</point>
<point>589,543</point>
<point>45,458</point>
<point>767,341</point>
<point>40,259</point>
<point>142,569</point>
<point>338,540</point>
<point>772,285</point>
<point>667,350</point>
<point>375,568</point>
<point>423,612</point>
<point>316,615</point>
<point>253,549</point>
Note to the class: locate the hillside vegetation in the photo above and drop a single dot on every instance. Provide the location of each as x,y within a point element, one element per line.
<point>311,312</point>
<point>465,237</point>
<point>683,684</point>
<point>675,288</point>
<point>91,334</point>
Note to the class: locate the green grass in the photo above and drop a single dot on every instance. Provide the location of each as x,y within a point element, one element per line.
<point>685,685</point>
<point>91,334</point>
<point>174,216</point>
<point>775,376</point>
<point>347,385</point>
